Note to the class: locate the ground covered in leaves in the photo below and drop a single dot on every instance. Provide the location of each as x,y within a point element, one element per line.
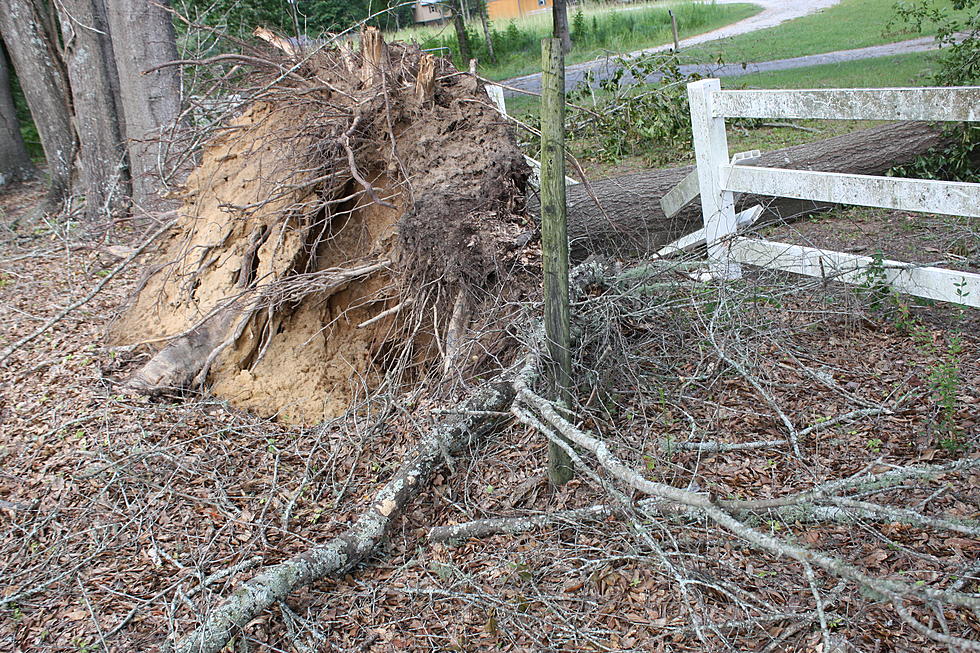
<point>125,518</point>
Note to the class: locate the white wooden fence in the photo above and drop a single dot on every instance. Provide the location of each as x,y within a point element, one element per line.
<point>719,178</point>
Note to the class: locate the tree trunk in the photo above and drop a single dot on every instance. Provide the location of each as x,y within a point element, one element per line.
<point>98,118</point>
<point>631,221</point>
<point>461,38</point>
<point>15,162</point>
<point>142,38</point>
<point>485,22</point>
<point>559,19</point>
<point>39,67</point>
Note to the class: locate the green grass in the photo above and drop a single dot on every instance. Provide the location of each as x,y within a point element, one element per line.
<point>848,25</point>
<point>915,69</point>
<point>596,33</point>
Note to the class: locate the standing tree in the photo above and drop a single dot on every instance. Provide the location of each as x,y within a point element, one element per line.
<point>15,162</point>
<point>143,38</point>
<point>461,37</point>
<point>485,22</point>
<point>29,37</point>
<point>559,18</point>
<point>94,87</point>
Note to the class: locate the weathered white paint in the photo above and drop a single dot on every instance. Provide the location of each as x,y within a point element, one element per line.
<point>688,188</point>
<point>719,180</point>
<point>496,94</point>
<point>678,196</point>
<point>939,103</point>
<point>927,196</point>
<point>921,281</point>
<point>711,152</point>
<point>743,219</point>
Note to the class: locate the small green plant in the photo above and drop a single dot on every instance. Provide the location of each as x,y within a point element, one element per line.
<point>874,283</point>
<point>944,383</point>
<point>874,445</point>
<point>580,29</point>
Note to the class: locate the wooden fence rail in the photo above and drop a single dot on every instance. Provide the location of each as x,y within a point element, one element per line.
<point>719,178</point>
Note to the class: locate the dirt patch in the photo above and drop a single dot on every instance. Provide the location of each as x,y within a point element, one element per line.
<point>330,235</point>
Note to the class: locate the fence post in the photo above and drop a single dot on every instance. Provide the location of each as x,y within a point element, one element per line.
<point>554,241</point>
<point>673,27</point>
<point>711,152</point>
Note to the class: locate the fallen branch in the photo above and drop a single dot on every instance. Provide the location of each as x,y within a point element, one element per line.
<point>341,554</point>
<point>716,510</point>
<point>718,447</point>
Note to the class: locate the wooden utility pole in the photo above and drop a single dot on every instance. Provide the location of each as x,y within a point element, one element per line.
<point>554,240</point>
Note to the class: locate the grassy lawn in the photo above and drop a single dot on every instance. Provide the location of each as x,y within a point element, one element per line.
<point>915,69</point>
<point>595,32</point>
<point>851,24</point>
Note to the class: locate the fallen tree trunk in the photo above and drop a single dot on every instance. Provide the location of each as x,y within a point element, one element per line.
<point>628,219</point>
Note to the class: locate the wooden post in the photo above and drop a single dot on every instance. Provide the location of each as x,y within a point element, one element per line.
<point>673,26</point>
<point>554,240</point>
<point>711,152</point>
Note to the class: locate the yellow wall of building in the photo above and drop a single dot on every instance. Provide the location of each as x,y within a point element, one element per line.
<point>507,9</point>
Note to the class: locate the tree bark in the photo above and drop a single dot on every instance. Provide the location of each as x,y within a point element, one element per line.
<point>143,37</point>
<point>485,22</point>
<point>25,31</point>
<point>98,117</point>
<point>461,38</point>
<point>631,221</point>
<point>559,19</point>
<point>15,162</point>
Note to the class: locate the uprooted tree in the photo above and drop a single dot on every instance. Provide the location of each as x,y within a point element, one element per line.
<point>370,209</point>
<point>362,226</point>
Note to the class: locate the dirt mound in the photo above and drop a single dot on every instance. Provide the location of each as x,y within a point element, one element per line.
<point>337,236</point>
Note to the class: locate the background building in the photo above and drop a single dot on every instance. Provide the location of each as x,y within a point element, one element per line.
<point>431,11</point>
<point>506,9</point>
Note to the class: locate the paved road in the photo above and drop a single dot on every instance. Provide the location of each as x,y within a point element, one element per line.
<point>774,12</point>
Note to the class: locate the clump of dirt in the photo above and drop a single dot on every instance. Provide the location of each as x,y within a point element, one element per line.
<point>337,235</point>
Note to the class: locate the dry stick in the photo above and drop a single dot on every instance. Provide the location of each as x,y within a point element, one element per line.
<point>625,504</point>
<point>962,643</point>
<point>717,447</point>
<point>526,92</point>
<point>342,553</point>
<point>7,351</point>
<point>806,513</point>
<point>712,509</point>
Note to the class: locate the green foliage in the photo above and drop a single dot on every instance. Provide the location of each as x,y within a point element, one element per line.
<point>310,17</point>
<point>954,162</point>
<point>580,30</point>
<point>627,119</point>
<point>944,377</point>
<point>960,55</point>
<point>945,383</point>
<point>959,65</point>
